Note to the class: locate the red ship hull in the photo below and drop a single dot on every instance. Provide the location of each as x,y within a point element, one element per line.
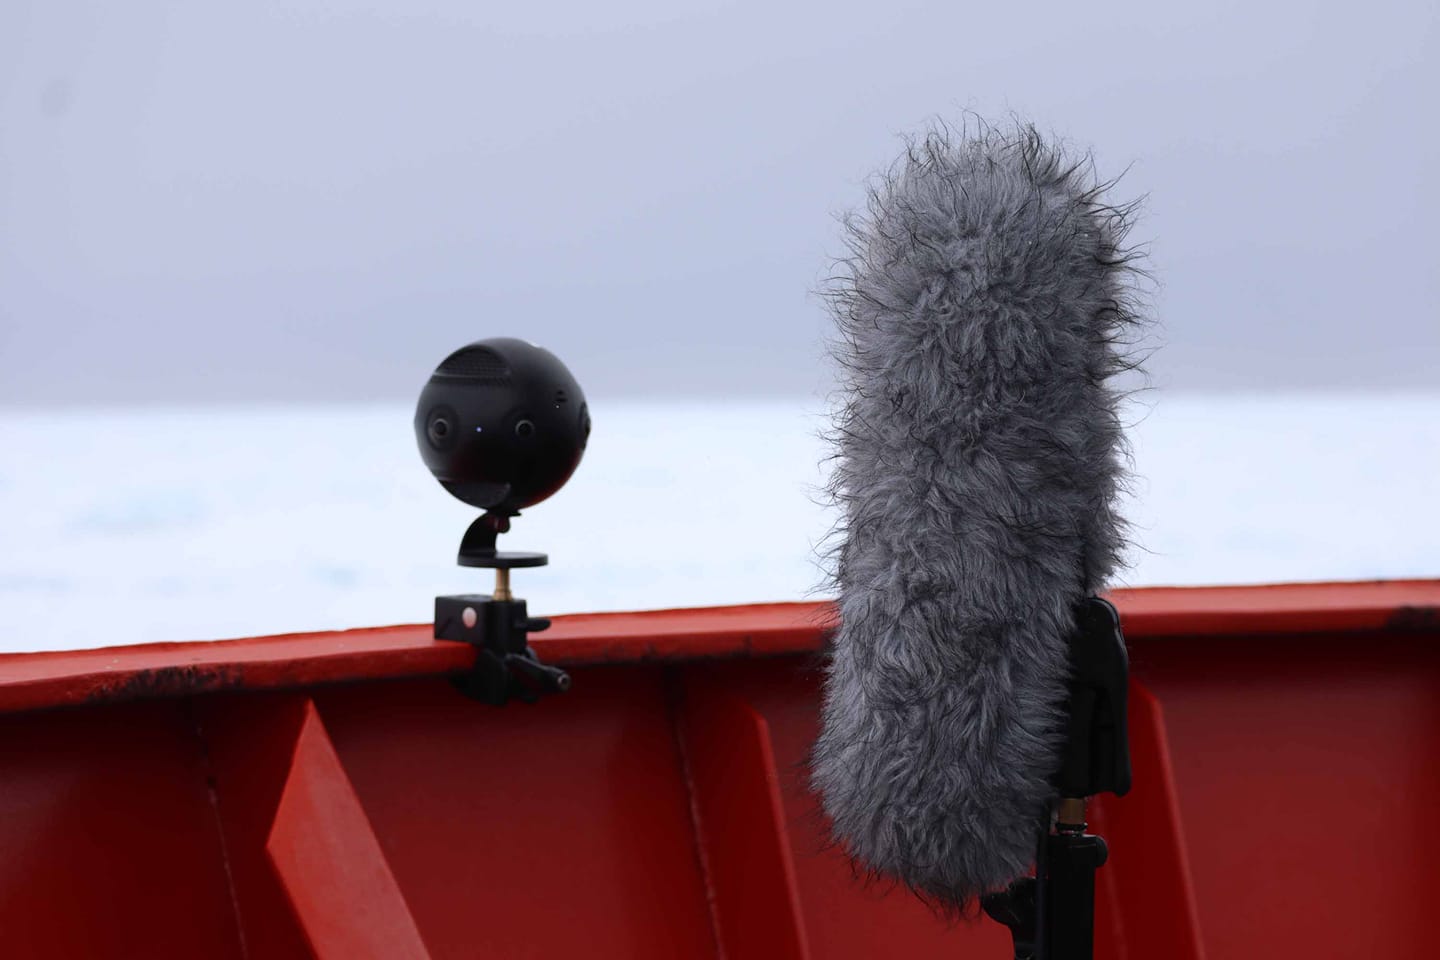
<point>331,795</point>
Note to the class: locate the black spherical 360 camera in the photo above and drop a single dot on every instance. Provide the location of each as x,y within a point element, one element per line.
<point>502,424</point>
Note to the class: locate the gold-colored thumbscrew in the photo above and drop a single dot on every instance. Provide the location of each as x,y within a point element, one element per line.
<point>1070,817</point>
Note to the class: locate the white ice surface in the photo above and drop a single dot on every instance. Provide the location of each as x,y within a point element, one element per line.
<point>141,525</point>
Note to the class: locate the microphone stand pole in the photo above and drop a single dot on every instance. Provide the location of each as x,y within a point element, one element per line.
<point>1052,914</point>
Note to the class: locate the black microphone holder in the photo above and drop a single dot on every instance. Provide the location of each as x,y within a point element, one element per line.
<point>1052,914</point>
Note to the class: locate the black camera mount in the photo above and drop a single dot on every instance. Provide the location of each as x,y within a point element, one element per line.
<point>502,425</point>
<point>497,624</point>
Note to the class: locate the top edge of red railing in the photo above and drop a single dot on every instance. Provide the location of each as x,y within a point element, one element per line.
<point>31,681</point>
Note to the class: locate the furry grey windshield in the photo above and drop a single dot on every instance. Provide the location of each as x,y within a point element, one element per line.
<point>981,316</point>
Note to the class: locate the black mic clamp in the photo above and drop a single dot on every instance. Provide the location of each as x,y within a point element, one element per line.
<point>1052,914</point>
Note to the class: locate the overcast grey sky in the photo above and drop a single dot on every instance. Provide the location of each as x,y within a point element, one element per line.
<point>308,200</point>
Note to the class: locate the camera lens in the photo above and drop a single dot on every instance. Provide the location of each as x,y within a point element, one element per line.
<point>439,430</point>
<point>524,429</point>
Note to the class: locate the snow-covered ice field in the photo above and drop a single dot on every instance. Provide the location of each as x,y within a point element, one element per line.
<point>131,526</point>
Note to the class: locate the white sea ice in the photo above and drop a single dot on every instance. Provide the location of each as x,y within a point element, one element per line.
<point>132,526</point>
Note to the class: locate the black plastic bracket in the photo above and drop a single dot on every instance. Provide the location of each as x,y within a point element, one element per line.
<point>1051,915</point>
<point>1015,907</point>
<point>1096,756</point>
<point>498,626</point>
<point>505,666</point>
<point>477,547</point>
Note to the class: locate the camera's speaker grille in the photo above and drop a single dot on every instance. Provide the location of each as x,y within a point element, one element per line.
<point>474,363</point>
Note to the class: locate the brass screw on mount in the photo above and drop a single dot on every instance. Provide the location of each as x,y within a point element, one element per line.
<point>1070,817</point>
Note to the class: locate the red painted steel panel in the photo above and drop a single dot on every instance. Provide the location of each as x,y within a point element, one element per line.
<point>554,830</point>
<point>32,680</point>
<point>248,740</point>
<point>1402,606</point>
<point>843,914</point>
<point>330,862</point>
<point>1286,741</point>
<point>740,820</point>
<point>29,681</point>
<point>108,843</point>
<point>1145,899</point>
<point>1306,773</point>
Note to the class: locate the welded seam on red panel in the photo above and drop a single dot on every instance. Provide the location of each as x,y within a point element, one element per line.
<point>1172,800</point>
<point>214,798</point>
<point>674,696</point>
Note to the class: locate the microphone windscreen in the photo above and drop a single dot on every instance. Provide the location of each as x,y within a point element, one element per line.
<point>981,316</point>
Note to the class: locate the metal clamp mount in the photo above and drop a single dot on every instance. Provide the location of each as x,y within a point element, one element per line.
<point>1052,914</point>
<point>497,624</point>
